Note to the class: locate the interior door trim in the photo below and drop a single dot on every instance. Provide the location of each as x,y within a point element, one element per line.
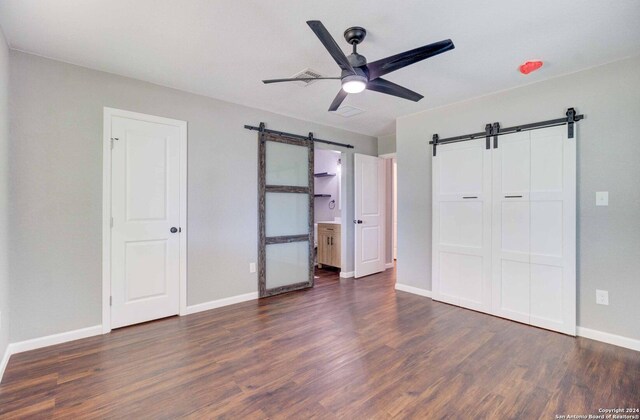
<point>108,115</point>
<point>263,188</point>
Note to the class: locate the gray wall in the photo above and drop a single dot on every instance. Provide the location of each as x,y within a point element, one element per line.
<point>56,182</point>
<point>386,144</point>
<point>608,160</point>
<point>4,194</point>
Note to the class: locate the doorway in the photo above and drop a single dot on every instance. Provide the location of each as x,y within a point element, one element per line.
<point>328,219</point>
<point>144,218</point>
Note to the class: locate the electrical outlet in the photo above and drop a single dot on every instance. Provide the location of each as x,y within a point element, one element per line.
<point>602,297</point>
<point>602,198</point>
<point>252,267</point>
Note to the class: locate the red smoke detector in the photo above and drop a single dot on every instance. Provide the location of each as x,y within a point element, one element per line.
<point>530,66</point>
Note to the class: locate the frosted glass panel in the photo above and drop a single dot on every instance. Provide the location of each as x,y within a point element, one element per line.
<point>287,214</point>
<point>287,264</point>
<point>287,164</point>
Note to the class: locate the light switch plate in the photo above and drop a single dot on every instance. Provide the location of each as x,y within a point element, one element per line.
<point>602,297</point>
<point>252,267</point>
<point>602,198</point>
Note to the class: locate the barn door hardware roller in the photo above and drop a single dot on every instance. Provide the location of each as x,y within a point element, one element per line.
<point>571,117</point>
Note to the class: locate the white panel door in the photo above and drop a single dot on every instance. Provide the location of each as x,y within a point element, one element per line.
<point>511,227</point>
<point>534,185</point>
<point>370,181</point>
<point>145,254</point>
<point>461,263</point>
<point>553,230</point>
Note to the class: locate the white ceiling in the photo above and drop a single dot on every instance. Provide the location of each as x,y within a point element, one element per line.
<point>223,49</point>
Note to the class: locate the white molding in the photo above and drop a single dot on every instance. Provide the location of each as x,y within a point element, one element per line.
<point>389,265</point>
<point>109,113</point>
<point>616,340</point>
<point>106,221</point>
<point>46,341</point>
<point>53,339</point>
<point>347,274</point>
<point>219,303</point>
<point>5,361</point>
<point>415,290</point>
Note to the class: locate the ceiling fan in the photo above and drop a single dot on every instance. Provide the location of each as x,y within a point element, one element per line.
<point>357,75</point>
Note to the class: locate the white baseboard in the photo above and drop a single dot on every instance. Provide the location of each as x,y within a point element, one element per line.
<point>616,340</point>
<point>52,340</point>
<point>4,362</point>
<point>389,265</point>
<point>221,302</point>
<point>414,290</point>
<point>46,341</point>
<point>347,274</point>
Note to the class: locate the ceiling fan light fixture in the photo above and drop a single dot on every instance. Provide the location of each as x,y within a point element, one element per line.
<point>354,83</point>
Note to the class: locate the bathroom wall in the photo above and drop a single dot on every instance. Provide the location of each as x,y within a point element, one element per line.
<point>327,161</point>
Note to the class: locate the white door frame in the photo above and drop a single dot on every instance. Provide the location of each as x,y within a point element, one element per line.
<point>109,113</point>
<point>393,196</point>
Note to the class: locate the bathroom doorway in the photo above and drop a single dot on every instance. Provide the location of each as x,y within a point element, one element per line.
<point>329,232</point>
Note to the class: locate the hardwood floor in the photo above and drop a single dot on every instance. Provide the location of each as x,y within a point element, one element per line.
<point>353,349</point>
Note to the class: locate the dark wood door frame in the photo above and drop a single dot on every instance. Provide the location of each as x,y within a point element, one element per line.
<point>263,189</point>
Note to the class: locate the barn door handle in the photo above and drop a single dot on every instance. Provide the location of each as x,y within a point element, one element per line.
<point>512,196</point>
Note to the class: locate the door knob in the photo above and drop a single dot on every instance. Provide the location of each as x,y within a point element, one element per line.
<point>173,230</point>
<point>358,222</point>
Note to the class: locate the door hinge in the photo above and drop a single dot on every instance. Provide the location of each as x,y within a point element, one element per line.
<point>110,300</point>
<point>112,141</point>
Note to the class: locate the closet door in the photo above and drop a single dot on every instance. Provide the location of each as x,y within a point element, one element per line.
<point>533,237</point>
<point>461,266</point>
<point>553,230</point>
<point>511,227</point>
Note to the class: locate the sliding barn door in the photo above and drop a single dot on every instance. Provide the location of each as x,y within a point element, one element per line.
<point>286,248</point>
<point>461,264</point>
<point>534,236</point>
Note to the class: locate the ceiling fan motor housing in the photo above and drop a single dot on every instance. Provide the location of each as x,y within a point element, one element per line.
<point>357,60</point>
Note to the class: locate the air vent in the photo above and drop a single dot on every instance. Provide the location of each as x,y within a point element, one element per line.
<point>348,111</point>
<point>304,74</point>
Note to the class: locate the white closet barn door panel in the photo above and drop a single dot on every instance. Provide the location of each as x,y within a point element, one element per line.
<point>511,227</point>
<point>461,225</point>
<point>553,221</point>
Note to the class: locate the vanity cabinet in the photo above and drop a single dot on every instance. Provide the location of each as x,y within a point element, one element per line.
<point>329,244</point>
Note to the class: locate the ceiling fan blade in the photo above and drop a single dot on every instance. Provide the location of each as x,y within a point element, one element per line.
<point>338,100</point>
<point>330,44</point>
<point>395,62</point>
<point>297,79</point>
<point>390,88</point>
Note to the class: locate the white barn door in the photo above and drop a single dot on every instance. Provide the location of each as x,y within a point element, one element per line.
<point>461,264</point>
<point>534,236</point>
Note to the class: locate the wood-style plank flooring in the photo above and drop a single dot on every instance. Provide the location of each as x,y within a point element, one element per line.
<point>350,349</point>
